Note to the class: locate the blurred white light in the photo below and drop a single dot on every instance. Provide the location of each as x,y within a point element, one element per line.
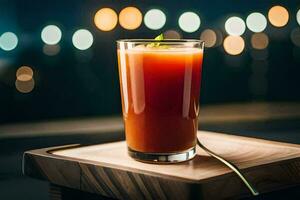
<point>155,19</point>
<point>235,26</point>
<point>51,34</point>
<point>189,22</point>
<point>8,41</point>
<point>256,22</point>
<point>298,16</point>
<point>82,39</point>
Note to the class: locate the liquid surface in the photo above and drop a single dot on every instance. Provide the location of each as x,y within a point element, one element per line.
<point>160,91</point>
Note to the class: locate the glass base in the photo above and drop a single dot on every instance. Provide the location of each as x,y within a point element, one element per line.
<point>163,158</point>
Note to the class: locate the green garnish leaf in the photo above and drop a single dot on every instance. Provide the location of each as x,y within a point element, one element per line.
<point>156,44</point>
<point>159,37</point>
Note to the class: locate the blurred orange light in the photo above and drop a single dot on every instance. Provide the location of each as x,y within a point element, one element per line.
<point>106,19</point>
<point>259,41</point>
<point>24,86</point>
<point>24,73</point>
<point>234,45</point>
<point>278,16</point>
<point>209,37</point>
<point>130,18</point>
<point>172,34</point>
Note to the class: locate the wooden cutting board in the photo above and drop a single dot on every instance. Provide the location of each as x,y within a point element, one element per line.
<point>106,169</point>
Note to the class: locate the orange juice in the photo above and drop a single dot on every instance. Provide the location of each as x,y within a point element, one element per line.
<point>160,91</point>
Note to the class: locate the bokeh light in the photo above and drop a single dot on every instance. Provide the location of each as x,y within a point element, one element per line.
<point>235,26</point>
<point>172,34</point>
<point>82,39</point>
<point>278,16</point>
<point>24,73</point>
<point>8,41</point>
<point>209,37</point>
<point>106,19</point>
<point>189,22</point>
<point>234,45</point>
<point>51,34</point>
<point>295,36</point>
<point>130,18</point>
<point>25,86</point>
<point>51,50</point>
<point>256,22</point>
<point>259,41</point>
<point>155,19</point>
<point>298,16</point>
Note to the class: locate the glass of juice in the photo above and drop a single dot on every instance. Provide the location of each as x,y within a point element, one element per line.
<point>160,88</point>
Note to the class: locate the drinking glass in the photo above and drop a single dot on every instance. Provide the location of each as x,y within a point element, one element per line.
<point>160,88</point>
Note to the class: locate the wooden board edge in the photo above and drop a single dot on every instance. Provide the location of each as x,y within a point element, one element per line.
<point>205,189</point>
<point>251,139</point>
<point>44,166</point>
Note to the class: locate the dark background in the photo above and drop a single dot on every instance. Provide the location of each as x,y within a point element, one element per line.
<point>77,83</point>
<point>84,84</point>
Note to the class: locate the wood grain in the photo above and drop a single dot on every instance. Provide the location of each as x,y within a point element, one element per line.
<point>107,169</point>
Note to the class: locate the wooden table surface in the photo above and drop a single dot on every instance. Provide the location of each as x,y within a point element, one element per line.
<point>107,169</point>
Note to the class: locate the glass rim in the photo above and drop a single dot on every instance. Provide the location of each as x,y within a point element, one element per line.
<point>165,41</point>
